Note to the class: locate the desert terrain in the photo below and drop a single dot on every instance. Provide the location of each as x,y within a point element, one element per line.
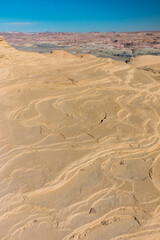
<point>116,45</point>
<point>80,146</point>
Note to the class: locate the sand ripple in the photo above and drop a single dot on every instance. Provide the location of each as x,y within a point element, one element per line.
<point>79,144</point>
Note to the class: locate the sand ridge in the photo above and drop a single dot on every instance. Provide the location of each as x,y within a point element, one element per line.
<point>80,147</point>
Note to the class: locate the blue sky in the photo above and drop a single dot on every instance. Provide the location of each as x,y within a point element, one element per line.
<point>79,16</point>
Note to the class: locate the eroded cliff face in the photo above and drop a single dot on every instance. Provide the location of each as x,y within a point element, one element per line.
<point>6,51</point>
<point>79,147</point>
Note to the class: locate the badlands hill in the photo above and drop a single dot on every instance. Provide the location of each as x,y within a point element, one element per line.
<point>118,46</point>
<point>79,147</point>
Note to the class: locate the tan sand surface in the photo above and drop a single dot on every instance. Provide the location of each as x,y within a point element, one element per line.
<point>79,147</point>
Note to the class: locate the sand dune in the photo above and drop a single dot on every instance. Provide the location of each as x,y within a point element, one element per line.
<point>80,147</point>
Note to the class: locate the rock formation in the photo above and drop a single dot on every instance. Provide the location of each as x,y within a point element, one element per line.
<point>79,147</point>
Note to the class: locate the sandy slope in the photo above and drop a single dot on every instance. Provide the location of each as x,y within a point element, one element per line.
<point>79,147</point>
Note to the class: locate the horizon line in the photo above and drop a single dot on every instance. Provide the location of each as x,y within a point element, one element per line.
<point>80,31</point>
